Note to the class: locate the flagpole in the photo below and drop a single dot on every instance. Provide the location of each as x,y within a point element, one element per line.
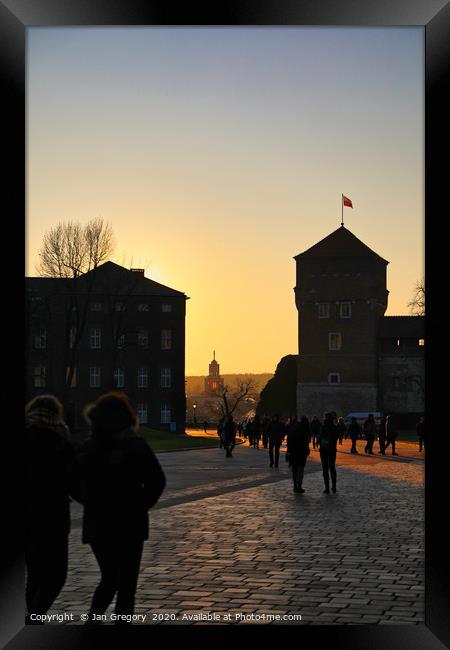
<point>342,210</point>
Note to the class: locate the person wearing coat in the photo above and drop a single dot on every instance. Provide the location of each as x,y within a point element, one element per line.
<point>298,450</point>
<point>315,430</point>
<point>391,434</point>
<point>354,432</point>
<point>229,436</point>
<point>382,436</point>
<point>327,440</point>
<point>49,459</point>
<point>275,432</point>
<point>120,480</point>
<point>370,431</point>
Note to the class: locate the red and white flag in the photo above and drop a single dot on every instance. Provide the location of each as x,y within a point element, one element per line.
<point>347,203</point>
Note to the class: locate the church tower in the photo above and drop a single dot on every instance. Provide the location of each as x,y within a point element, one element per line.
<point>340,296</point>
<point>214,382</point>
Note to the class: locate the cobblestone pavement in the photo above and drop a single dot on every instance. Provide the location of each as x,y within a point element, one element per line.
<point>233,548</point>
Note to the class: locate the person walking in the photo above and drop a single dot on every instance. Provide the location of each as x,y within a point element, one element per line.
<point>327,440</point>
<point>354,432</point>
<point>49,460</point>
<point>120,480</point>
<point>256,426</point>
<point>370,431</point>
<point>298,449</point>
<point>220,431</point>
<point>382,436</point>
<point>342,429</point>
<point>205,426</point>
<point>315,430</point>
<point>229,436</point>
<point>421,432</point>
<point>391,434</point>
<point>276,433</point>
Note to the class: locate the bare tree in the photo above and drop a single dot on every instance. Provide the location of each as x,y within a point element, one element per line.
<point>230,399</point>
<point>417,304</point>
<point>68,249</point>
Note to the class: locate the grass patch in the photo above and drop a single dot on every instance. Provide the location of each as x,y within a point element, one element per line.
<point>163,440</point>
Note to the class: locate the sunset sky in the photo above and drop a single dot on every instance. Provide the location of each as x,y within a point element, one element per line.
<point>217,154</point>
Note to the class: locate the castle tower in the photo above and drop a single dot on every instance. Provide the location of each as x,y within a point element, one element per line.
<point>340,296</point>
<point>214,382</point>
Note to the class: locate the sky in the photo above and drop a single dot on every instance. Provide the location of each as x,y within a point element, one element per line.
<point>218,154</point>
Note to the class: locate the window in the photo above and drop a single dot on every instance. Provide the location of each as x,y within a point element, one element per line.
<point>144,306</point>
<point>166,378</point>
<point>73,383</point>
<point>334,378</point>
<point>324,310</point>
<point>95,338</point>
<point>119,378</point>
<point>39,376</point>
<point>346,310</point>
<point>40,339</point>
<point>142,338</point>
<point>96,306</point>
<point>142,380</point>
<point>121,341</point>
<point>166,307</point>
<point>166,339</point>
<point>142,412</point>
<point>119,306</point>
<point>421,342</point>
<point>72,337</point>
<point>166,414</point>
<point>334,341</point>
<point>94,377</point>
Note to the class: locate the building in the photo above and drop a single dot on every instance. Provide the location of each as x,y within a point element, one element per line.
<point>351,356</point>
<point>213,382</point>
<point>111,328</point>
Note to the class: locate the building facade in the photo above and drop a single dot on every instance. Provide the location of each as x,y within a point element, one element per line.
<point>213,382</point>
<point>346,356</point>
<point>111,328</point>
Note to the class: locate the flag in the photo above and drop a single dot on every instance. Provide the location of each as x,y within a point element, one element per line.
<point>347,202</point>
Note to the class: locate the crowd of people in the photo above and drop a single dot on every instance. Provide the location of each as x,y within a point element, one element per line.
<point>324,436</point>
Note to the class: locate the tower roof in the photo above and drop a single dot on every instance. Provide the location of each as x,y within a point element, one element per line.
<point>340,243</point>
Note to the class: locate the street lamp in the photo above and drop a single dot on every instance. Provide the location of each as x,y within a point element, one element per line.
<point>194,406</point>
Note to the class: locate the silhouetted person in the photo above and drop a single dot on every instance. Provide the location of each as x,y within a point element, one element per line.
<point>205,426</point>
<point>328,438</point>
<point>316,426</point>
<point>382,436</point>
<point>121,479</point>
<point>370,431</point>
<point>421,432</point>
<point>354,432</point>
<point>229,435</point>
<point>256,426</point>
<point>49,458</point>
<point>391,434</point>
<point>298,449</point>
<point>220,431</point>
<point>342,429</point>
<point>276,432</point>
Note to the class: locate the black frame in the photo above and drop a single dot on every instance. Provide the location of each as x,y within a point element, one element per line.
<point>434,15</point>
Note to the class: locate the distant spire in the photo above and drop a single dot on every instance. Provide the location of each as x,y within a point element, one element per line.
<point>214,355</point>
